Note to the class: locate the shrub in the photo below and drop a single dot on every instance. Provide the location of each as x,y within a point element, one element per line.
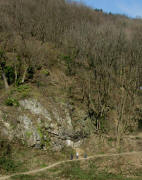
<point>24,90</point>
<point>44,136</point>
<point>69,64</point>
<point>11,102</point>
<point>7,164</point>
<point>9,72</point>
<point>30,72</point>
<point>45,72</point>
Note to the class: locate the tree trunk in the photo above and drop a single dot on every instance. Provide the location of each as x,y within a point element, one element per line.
<point>24,75</point>
<point>5,80</point>
<point>120,120</point>
<point>15,74</point>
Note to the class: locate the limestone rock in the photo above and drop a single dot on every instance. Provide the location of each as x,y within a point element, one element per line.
<point>37,125</point>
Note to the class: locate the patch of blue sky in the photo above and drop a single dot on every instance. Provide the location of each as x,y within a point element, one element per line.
<point>131,8</point>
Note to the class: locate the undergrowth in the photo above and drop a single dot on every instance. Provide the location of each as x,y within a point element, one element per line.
<point>73,171</point>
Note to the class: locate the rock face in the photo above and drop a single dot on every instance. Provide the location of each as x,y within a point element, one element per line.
<point>35,108</point>
<point>28,132</point>
<point>39,126</point>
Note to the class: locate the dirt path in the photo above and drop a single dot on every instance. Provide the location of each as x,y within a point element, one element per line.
<point>61,162</point>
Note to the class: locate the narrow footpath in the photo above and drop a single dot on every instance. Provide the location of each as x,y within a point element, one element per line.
<point>66,161</point>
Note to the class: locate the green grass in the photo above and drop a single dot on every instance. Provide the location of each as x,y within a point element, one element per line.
<point>23,177</point>
<point>7,164</point>
<point>82,176</point>
<point>74,171</point>
<point>11,102</point>
<point>92,169</point>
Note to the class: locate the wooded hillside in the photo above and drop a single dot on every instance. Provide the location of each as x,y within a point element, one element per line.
<point>96,57</point>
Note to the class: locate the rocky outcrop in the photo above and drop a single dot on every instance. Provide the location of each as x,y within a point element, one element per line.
<point>39,125</point>
<point>35,108</point>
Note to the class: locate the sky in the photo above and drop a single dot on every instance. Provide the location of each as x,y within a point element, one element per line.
<point>131,8</point>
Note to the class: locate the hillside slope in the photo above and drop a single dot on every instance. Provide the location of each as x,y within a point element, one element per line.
<point>70,76</point>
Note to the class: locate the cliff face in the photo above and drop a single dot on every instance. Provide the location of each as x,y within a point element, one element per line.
<point>37,125</point>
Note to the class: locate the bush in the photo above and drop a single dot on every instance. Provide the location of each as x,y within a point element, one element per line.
<point>70,65</point>
<point>11,102</point>
<point>24,90</point>
<point>7,164</point>
<point>9,72</point>
<point>44,136</point>
<point>30,72</point>
<point>45,72</point>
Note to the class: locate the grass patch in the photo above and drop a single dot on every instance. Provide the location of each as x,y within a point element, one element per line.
<point>74,171</point>
<point>23,90</point>
<point>111,139</point>
<point>138,138</point>
<point>16,93</point>
<point>9,165</point>
<point>88,170</point>
<point>23,177</point>
<point>45,72</point>
<point>11,102</point>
